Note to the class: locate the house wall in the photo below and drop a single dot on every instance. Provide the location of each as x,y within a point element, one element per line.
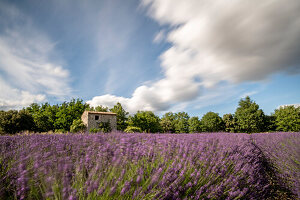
<point>90,122</point>
<point>84,118</point>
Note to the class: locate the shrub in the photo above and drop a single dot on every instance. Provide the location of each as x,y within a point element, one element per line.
<point>133,129</point>
<point>60,131</point>
<point>95,130</point>
<point>102,127</point>
<point>77,126</point>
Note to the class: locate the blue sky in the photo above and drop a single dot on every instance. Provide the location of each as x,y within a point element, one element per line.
<point>160,55</point>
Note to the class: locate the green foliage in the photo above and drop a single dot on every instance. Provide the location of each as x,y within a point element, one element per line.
<point>104,127</point>
<point>13,121</point>
<point>97,109</point>
<point>212,122</point>
<point>122,116</point>
<point>68,112</point>
<point>181,123</point>
<point>167,122</point>
<point>95,130</point>
<point>229,123</point>
<point>133,129</point>
<point>77,126</point>
<point>63,117</point>
<point>194,125</point>
<point>44,116</point>
<point>175,122</point>
<point>287,118</point>
<point>249,117</point>
<point>270,125</point>
<point>146,120</point>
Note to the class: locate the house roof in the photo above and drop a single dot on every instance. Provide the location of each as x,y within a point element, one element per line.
<point>101,113</point>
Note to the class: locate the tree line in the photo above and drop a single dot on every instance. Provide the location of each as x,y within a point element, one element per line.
<point>248,118</point>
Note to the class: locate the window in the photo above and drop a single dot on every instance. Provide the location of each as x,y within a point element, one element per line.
<point>96,117</point>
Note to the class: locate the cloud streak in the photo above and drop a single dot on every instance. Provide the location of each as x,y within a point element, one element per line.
<point>28,71</point>
<point>218,41</point>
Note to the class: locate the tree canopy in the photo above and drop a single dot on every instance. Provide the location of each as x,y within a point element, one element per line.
<point>249,117</point>
<point>212,122</point>
<point>122,116</point>
<point>287,118</point>
<point>147,121</point>
<point>181,123</point>
<point>194,125</point>
<point>67,116</point>
<point>167,122</point>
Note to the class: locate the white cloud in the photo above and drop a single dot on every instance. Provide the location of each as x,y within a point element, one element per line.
<point>12,98</point>
<point>28,71</point>
<point>109,101</point>
<point>219,41</point>
<point>234,41</point>
<point>248,94</point>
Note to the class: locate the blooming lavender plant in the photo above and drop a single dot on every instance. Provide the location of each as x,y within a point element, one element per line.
<point>145,166</point>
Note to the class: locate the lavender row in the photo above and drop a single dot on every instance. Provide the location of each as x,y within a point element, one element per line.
<point>134,166</point>
<point>283,151</point>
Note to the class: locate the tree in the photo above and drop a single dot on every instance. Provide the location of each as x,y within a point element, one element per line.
<point>133,129</point>
<point>270,124</point>
<point>77,126</point>
<point>14,121</point>
<point>229,123</point>
<point>122,116</point>
<point>44,116</point>
<point>24,121</point>
<point>194,125</point>
<point>99,108</point>
<point>212,122</point>
<point>167,122</point>
<point>146,120</point>
<point>287,118</point>
<point>181,124</point>
<point>67,113</point>
<point>249,117</point>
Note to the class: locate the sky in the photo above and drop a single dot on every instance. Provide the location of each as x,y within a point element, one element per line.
<point>159,55</point>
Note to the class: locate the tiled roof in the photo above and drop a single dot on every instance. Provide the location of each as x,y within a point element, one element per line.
<point>101,113</point>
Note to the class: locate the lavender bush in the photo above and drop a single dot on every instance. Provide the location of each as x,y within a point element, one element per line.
<point>282,150</point>
<point>145,166</point>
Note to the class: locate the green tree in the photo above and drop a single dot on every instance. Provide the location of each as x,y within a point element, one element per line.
<point>194,125</point>
<point>270,124</point>
<point>67,113</point>
<point>14,121</point>
<point>146,120</point>
<point>229,123</point>
<point>249,117</point>
<point>25,121</point>
<point>181,123</point>
<point>287,118</point>
<point>212,122</point>
<point>44,116</point>
<point>122,116</point>
<point>99,108</point>
<point>77,126</point>
<point>167,122</point>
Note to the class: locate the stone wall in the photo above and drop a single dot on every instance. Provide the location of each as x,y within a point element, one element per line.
<point>88,118</point>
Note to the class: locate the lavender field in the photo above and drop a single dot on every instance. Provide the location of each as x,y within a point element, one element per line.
<point>150,166</point>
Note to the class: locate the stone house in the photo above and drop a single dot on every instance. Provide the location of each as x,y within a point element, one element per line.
<point>91,119</point>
